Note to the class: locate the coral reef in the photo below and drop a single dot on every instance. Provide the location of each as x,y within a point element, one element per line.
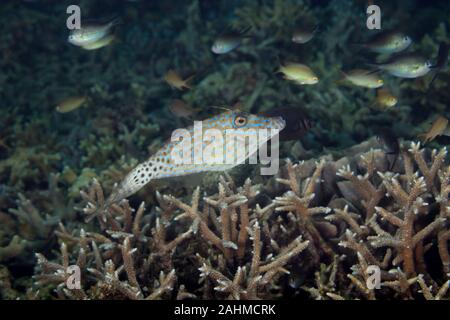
<point>334,209</point>
<point>228,246</point>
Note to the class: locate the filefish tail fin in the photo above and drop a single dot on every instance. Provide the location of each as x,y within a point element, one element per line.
<point>134,181</point>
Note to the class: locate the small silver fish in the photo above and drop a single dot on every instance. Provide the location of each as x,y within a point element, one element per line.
<point>162,164</point>
<point>362,78</point>
<point>388,42</point>
<point>299,73</point>
<point>70,104</point>
<point>227,42</point>
<point>90,33</point>
<point>103,42</point>
<point>304,35</point>
<point>409,65</point>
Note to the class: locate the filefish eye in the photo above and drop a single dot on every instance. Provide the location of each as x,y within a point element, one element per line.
<point>240,121</point>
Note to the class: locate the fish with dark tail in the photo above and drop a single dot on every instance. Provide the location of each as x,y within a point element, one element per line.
<point>227,42</point>
<point>442,61</point>
<point>388,42</point>
<point>407,65</point>
<point>297,122</point>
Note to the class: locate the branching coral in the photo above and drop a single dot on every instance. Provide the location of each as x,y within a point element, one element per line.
<point>370,194</point>
<point>28,165</point>
<point>397,222</point>
<point>230,237</point>
<point>245,241</point>
<point>13,249</point>
<point>409,202</point>
<point>132,247</point>
<point>243,250</point>
<point>123,246</point>
<point>298,201</point>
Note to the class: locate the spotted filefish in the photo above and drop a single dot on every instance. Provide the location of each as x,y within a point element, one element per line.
<point>163,164</point>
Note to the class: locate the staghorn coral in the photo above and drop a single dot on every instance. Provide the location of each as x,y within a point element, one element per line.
<point>409,204</point>
<point>145,254</point>
<point>233,209</point>
<point>28,165</point>
<point>239,249</point>
<point>409,196</point>
<point>128,114</point>
<point>298,200</point>
<point>100,253</point>
<point>13,249</point>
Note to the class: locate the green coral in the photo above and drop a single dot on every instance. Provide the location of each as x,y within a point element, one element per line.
<point>28,164</point>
